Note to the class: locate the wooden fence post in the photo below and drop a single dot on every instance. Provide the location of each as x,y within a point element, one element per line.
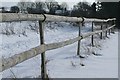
<point>106,30</point>
<point>92,36</point>
<point>109,29</point>
<point>113,27</point>
<point>43,65</point>
<point>78,50</point>
<point>108,25</point>
<point>101,32</point>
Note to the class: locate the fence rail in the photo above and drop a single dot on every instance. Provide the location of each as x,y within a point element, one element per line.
<point>8,17</point>
<point>18,58</point>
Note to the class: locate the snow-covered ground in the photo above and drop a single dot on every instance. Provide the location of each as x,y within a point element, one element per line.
<point>62,62</point>
<point>105,66</point>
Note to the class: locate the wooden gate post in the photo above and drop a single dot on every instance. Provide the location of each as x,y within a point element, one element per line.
<point>92,36</point>
<point>43,65</point>
<point>78,50</point>
<point>101,29</point>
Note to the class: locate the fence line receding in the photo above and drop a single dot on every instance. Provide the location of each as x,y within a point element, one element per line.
<point>18,58</point>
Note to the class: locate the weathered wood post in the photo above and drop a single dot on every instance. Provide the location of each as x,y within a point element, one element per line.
<point>43,65</point>
<point>109,29</point>
<point>78,49</point>
<point>101,29</point>
<point>113,29</point>
<point>79,34</point>
<point>92,36</point>
<point>106,30</point>
<point>115,25</point>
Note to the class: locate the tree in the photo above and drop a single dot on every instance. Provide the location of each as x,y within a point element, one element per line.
<point>118,16</point>
<point>93,9</point>
<point>38,7</point>
<point>84,6</point>
<point>82,9</point>
<point>107,9</point>
<point>3,9</point>
<point>52,6</point>
<point>23,5</point>
<point>14,9</point>
<point>38,4</point>
<point>41,6</point>
<point>64,6</point>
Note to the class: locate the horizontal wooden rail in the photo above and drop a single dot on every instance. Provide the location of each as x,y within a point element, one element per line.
<point>94,20</point>
<point>96,32</point>
<point>6,17</point>
<point>63,18</point>
<point>9,17</point>
<point>111,19</point>
<point>62,44</point>
<point>98,20</point>
<point>18,58</point>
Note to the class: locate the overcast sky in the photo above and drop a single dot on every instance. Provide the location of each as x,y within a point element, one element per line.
<point>69,2</point>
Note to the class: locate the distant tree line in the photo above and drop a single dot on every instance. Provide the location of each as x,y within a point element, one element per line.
<point>102,10</point>
<point>84,9</point>
<point>38,7</point>
<point>47,7</point>
<point>13,9</point>
<point>99,9</point>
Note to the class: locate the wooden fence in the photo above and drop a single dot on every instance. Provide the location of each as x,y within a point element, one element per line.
<point>18,58</point>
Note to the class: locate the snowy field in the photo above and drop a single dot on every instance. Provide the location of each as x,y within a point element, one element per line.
<point>18,37</point>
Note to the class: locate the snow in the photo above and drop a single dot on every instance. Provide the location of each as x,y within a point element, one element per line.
<point>105,66</point>
<point>62,62</point>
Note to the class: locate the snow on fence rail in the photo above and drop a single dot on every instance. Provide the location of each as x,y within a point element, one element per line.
<point>18,58</point>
